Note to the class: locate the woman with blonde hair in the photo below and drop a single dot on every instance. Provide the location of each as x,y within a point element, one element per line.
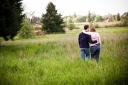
<point>95,47</point>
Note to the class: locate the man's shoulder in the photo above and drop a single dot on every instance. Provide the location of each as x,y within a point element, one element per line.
<point>83,34</point>
<point>86,33</point>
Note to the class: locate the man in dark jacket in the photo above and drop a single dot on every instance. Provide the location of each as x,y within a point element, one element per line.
<point>84,40</point>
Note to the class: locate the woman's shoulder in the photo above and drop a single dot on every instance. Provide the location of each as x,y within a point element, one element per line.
<point>92,33</point>
<point>96,33</point>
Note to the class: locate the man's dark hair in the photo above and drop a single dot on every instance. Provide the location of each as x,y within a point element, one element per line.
<point>86,27</point>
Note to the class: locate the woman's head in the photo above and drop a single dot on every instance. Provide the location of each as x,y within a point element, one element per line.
<point>92,29</point>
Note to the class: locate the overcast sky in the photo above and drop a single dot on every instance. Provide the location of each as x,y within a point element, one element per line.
<point>79,7</point>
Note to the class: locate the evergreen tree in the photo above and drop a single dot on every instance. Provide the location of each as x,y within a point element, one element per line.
<point>10,18</point>
<point>52,21</point>
<point>89,16</point>
<point>124,19</point>
<point>118,17</point>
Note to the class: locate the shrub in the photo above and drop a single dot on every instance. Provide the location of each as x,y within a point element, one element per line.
<point>72,26</point>
<point>26,29</point>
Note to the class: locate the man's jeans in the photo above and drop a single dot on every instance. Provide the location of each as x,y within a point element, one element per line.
<point>85,51</point>
<point>95,51</point>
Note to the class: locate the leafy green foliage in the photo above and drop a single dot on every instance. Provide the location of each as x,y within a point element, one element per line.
<point>99,18</point>
<point>26,29</point>
<point>72,26</point>
<point>52,21</point>
<point>124,19</point>
<point>10,18</point>
<point>82,19</point>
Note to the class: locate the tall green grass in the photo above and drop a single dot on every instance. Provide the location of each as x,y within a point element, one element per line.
<point>55,60</point>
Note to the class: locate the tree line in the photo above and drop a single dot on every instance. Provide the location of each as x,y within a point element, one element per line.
<point>13,21</point>
<point>92,17</point>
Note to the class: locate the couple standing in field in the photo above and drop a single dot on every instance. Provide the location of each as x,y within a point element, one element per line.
<point>89,43</point>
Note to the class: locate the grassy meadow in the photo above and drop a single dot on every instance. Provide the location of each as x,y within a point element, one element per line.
<point>54,59</point>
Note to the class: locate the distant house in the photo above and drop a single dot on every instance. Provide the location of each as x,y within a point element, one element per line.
<point>38,30</point>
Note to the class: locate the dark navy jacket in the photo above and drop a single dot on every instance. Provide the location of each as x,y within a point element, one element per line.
<point>84,40</point>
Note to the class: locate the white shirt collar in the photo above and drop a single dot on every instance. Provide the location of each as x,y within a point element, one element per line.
<point>86,32</point>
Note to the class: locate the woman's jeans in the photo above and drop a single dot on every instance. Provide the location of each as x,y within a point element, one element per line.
<point>95,52</point>
<point>85,51</point>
